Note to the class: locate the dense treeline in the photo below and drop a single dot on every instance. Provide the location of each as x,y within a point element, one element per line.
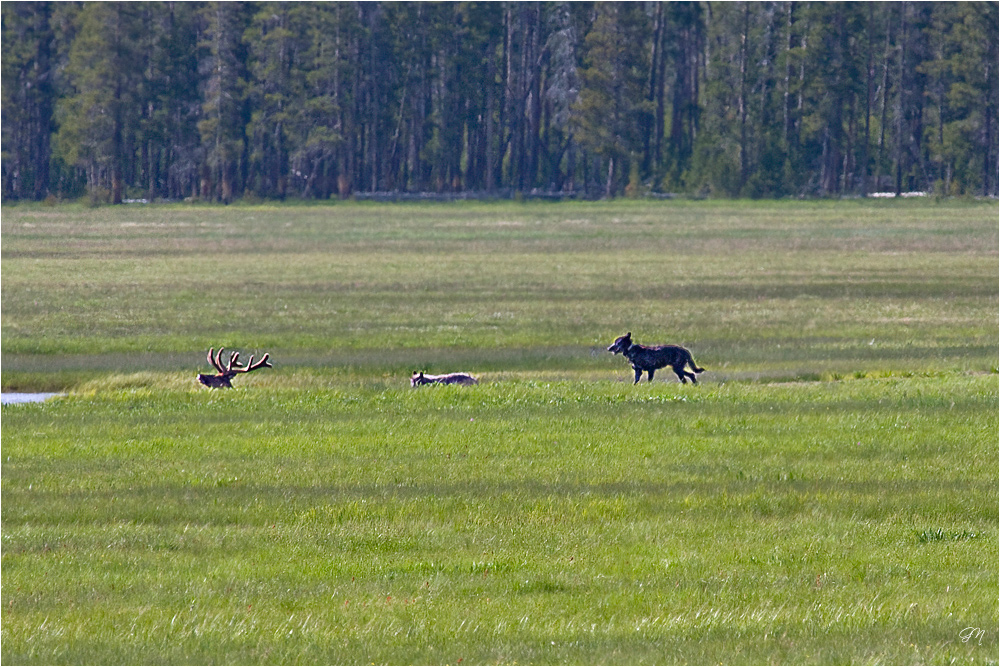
<point>220,100</point>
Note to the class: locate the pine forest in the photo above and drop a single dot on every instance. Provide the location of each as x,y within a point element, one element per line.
<point>220,101</point>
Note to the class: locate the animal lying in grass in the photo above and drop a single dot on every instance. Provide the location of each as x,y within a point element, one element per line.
<point>420,378</point>
<point>649,359</point>
<point>226,372</point>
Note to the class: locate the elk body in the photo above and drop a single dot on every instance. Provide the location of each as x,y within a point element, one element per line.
<point>223,378</point>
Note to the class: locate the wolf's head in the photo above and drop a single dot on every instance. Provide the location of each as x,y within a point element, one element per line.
<point>621,344</point>
<point>417,378</point>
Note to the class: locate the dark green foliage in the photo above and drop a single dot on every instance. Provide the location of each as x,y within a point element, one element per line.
<point>100,110</point>
<point>27,99</point>
<point>222,100</point>
<point>223,114</point>
<point>612,115</point>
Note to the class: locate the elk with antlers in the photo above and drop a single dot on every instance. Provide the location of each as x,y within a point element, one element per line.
<point>228,372</point>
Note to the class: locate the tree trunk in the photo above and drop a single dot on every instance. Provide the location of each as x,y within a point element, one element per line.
<point>742,100</point>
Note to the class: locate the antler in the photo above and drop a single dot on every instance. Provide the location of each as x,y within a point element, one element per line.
<point>232,362</point>
<point>228,372</point>
<point>215,360</point>
<point>263,363</point>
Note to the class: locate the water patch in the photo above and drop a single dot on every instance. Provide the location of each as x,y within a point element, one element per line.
<point>15,398</point>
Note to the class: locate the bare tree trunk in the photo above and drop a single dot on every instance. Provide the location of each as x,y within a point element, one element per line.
<point>653,137</point>
<point>883,111</point>
<point>868,102</point>
<point>901,98</point>
<point>490,139</point>
<point>786,111</point>
<point>742,102</point>
<point>534,126</point>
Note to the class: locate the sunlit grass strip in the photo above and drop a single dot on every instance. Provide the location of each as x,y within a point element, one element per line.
<point>518,521</point>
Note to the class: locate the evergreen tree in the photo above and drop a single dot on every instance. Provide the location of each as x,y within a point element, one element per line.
<point>967,124</point>
<point>477,89</point>
<point>224,99</point>
<point>168,128</point>
<point>315,124</point>
<point>275,42</point>
<point>719,156</point>
<point>99,117</point>
<point>28,84</point>
<point>562,89</point>
<point>612,108</point>
<point>680,73</point>
<point>833,86</point>
<point>223,122</point>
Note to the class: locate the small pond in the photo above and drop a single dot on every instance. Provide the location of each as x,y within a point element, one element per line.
<point>13,398</point>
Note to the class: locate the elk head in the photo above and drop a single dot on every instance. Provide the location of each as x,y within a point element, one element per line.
<point>228,372</point>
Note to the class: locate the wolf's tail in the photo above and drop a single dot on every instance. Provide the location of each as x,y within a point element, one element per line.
<point>694,366</point>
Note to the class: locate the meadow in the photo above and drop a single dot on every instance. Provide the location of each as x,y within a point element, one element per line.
<point>827,494</point>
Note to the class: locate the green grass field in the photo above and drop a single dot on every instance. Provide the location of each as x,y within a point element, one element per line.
<point>828,493</point>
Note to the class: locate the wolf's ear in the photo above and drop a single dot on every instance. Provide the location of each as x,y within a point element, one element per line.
<point>628,335</point>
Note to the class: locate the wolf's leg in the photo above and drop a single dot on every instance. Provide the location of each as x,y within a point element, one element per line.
<point>651,371</point>
<point>638,374</point>
<point>679,371</point>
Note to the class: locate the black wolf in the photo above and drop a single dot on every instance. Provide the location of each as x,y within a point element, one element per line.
<point>648,359</point>
<point>419,378</point>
